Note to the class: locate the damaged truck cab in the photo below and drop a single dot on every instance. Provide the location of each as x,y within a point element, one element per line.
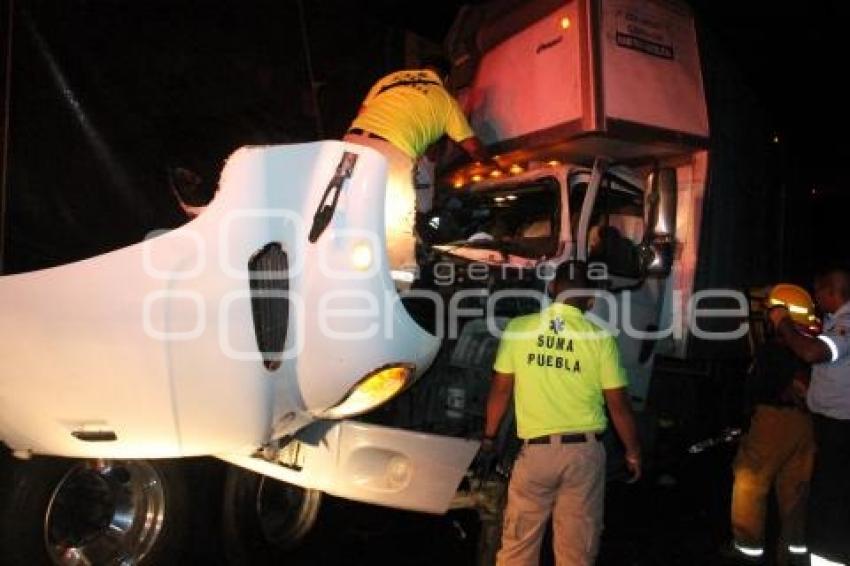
<point>227,337</point>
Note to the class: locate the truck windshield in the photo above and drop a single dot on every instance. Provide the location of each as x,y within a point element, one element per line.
<point>521,219</point>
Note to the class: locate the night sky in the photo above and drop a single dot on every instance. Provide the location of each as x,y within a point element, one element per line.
<point>107,95</point>
<point>791,57</point>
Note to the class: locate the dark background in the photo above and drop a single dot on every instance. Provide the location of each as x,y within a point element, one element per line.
<point>106,95</point>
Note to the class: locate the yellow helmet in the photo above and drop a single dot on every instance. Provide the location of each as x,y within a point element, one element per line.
<point>796,299</point>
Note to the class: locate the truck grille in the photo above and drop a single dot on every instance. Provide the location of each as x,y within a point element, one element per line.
<point>269,302</point>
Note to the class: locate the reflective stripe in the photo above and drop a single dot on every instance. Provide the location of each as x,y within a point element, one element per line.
<point>832,347</point>
<point>749,550</point>
<point>821,561</point>
<point>797,549</point>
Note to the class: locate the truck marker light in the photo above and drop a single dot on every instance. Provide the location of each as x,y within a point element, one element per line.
<point>495,173</point>
<point>361,256</point>
<point>373,390</point>
<point>565,23</point>
<point>553,163</point>
<point>516,169</point>
<point>476,178</point>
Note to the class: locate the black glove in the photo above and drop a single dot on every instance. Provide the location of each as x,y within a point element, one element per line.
<point>485,461</point>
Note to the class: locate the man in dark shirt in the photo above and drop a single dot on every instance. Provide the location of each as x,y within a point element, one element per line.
<point>829,402</point>
<point>778,450</point>
<point>778,377</point>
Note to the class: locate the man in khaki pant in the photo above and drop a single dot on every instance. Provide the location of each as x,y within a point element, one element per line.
<point>778,450</point>
<point>562,370</point>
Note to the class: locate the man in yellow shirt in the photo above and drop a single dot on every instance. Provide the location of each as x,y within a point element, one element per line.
<point>562,370</point>
<point>403,114</point>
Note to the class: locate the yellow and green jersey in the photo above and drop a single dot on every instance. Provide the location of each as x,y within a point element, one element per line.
<point>412,110</point>
<point>561,362</point>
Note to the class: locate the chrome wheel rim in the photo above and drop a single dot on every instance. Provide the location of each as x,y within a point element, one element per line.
<point>105,512</point>
<point>285,512</point>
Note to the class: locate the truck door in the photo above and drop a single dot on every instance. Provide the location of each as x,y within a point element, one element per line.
<point>609,223</point>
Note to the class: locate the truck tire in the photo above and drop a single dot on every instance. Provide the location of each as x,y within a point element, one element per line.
<point>70,511</point>
<point>263,517</point>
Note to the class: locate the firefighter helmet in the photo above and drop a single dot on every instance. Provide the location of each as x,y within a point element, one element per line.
<point>796,299</point>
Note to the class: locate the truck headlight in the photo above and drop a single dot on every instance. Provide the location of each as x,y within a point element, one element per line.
<point>361,256</point>
<point>373,390</point>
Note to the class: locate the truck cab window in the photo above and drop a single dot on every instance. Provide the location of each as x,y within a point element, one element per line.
<point>616,222</point>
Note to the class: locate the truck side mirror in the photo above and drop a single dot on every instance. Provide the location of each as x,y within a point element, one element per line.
<point>660,242</point>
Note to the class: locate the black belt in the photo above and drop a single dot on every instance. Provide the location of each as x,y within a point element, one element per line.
<point>565,438</point>
<point>362,132</point>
